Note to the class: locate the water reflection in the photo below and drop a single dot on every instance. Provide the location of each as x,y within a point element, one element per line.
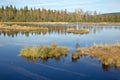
<point>16,33</point>
<point>58,29</point>
<point>10,47</point>
<point>105,67</point>
<point>33,60</point>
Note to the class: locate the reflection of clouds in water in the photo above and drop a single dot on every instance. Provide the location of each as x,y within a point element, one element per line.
<point>67,63</point>
<point>2,45</point>
<point>24,43</point>
<point>88,61</point>
<point>64,70</point>
<point>28,73</point>
<point>83,62</point>
<point>91,63</point>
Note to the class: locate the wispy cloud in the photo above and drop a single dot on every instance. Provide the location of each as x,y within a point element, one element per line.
<point>104,6</point>
<point>44,4</point>
<point>66,3</point>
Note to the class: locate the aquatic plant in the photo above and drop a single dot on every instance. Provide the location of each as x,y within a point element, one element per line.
<point>16,27</point>
<point>44,52</point>
<point>82,31</point>
<point>107,54</point>
<point>75,56</point>
<point>25,52</point>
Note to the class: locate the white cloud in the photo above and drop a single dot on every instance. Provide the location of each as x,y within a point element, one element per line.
<point>67,3</point>
<point>104,6</point>
<point>44,4</point>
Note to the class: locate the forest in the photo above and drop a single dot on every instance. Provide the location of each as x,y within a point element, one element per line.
<point>12,14</point>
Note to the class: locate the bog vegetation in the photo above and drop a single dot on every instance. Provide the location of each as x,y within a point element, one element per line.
<point>43,52</point>
<point>74,31</point>
<point>107,54</point>
<point>4,27</point>
<point>10,13</point>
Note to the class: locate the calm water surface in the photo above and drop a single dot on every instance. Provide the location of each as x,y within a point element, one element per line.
<point>14,67</point>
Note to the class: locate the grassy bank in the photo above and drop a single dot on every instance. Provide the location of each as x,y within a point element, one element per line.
<point>43,52</point>
<point>107,54</point>
<point>15,27</point>
<point>86,23</point>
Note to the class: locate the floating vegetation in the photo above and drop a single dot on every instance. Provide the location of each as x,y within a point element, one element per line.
<point>43,52</point>
<point>107,54</point>
<point>82,31</point>
<point>15,27</point>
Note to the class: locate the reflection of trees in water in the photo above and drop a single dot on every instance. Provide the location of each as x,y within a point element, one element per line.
<point>9,33</point>
<point>77,45</point>
<point>58,29</point>
<point>16,33</point>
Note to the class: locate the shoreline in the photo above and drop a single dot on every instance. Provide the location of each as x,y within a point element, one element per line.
<point>86,23</point>
<point>15,27</point>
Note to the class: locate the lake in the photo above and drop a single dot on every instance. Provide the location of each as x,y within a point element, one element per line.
<point>14,67</point>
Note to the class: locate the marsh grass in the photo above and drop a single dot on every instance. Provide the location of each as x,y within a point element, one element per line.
<point>15,27</point>
<point>44,52</point>
<point>82,31</point>
<point>107,54</point>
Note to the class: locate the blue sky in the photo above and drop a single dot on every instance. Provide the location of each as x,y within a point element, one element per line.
<point>103,6</point>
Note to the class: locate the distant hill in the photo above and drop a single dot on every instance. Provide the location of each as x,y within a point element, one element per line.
<point>116,13</point>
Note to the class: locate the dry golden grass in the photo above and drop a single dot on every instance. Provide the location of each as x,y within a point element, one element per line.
<point>87,23</point>
<point>107,54</point>
<point>15,27</point>
<point>43,52</point>
<point>82,31</point>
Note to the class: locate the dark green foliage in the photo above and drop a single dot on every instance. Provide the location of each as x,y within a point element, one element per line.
<point>12,14</point>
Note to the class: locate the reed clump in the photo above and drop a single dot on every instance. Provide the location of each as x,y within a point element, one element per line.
<point>44,52</point>
<point>15,27</point>
<point>82,31</point>
<point>107,54</point>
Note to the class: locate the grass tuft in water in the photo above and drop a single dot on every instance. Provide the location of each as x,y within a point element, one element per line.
<point>44,52</point>
<point>15,27</point>
<point>82,31</point>
<point>107,54</point>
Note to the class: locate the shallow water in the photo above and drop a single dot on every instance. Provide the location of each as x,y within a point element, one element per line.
<point>14,67</point>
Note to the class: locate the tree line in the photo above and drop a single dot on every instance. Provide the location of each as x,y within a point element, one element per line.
<point>12,14</point>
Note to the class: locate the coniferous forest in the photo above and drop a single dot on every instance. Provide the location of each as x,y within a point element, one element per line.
<point>12,14</point>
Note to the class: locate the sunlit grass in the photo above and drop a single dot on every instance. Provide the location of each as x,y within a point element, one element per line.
<point>43,52</point>
<point>107,54</point>
<point>82,31</point>
<point>16,27</point>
